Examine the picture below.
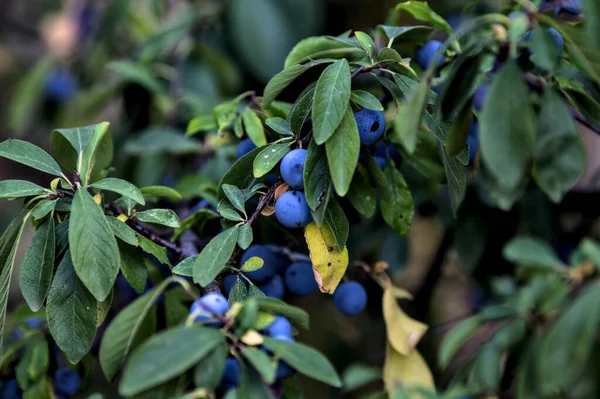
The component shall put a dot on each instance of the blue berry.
(427, 53)
(371, 125)
(270, 179)
(350, 298)
(292, 168)
(230, 280)
(244, 147)
(60, 85)
(381, 162)
(383, 150)
(473, 141)
(270, 263)
(213, 302)
(67, 381)
(273, 288)
(480, 96)
(231, 374)
(292, 210)
(10, 390)
(300, 279)
(279, 327)
(34, 322)
(283, 369)
(560, 42)
(571, 7)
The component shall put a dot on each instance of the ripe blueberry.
(67, 381)
(280, 327)
(300, 279)
(350, 298)
(270, 263)
(273, 288)
(480, 96)
(10, 390)
(244, 147)
(381, 162)
(560, 42)
(571, 7)
(427, 53)
(60, 85)
(213, 302)
(383, 150)
(231, 374)
(473, 141)
(371, 125)
(292, 210)
(292, 168)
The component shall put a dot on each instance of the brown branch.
(364, 69)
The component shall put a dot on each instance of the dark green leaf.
(302, 108)
(30, 155)
(460, 83)
(240, 173)
(320, 47)
(141, 74)
(102, 308)
(39, 359)
(591, 10)
(585, 104)
(342, 149)
(122, 187)
(245, 236)
(455, 143)
(457, 337)
(456, 174)
(366, 100)
(150, 247)
(43, 208)
(163, 357)
(71, 312)
(160, 192)
(293, 314)
(389, 56)
(197, 221)
(261, 363)
(392, 32)
(269, 157)
(280, 126)
(487, 367)
(133, 267)
(93, 246)
(252, 386)
(545, 52)
(161, 140)
(164, 217)
(185, 267)
(11, 189)
(408, 119)
(239, 291)
(122, 231)
(304, 359)
(361, 195)
(397, 207)
(215, 256)
(226, 210)
(533, 252)
(280, 81)
(316, 176)
(207, 373)
(235, 196)
(330, 102)
(37, 266)
(338, 223)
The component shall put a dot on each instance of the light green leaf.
(37, 266)
(122, 187)
(408, 119)
(252, 264)
(457, 337)
(152, 192)
(545, 52)
(254, 127)
(266, 160)
(292, 313)
(235, 196)
(226, 210)
(71, 312)
(154, 249)
(343, 149)
(215, 256)
(163, 357)
(164, 217)
(185, 267)
(320, 47)
(366, 100)
(225, 114)
(93, 246)
(532, 252)
(366, 42)
(421, 11)
(330, 102)
(28, 154)
(201, 123)
(11, 189)
(97, 154)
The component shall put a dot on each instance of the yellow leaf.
(98, 199)
(329, 264)
(252, 338)
(123, 218)
(401, 372)
(403, 332)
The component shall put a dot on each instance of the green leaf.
(133, 267)
(226, 210)
(408, 119)
(239, 291)
(421, 11)
(163, 357)
(330, 102)
(240, 173)
(9, 241)
(252, 264)
(507, 147)
(201, 123)
(559, 159)
(459, 134)
(122, 231)
(43, 208)
(280, 126)
(185, 267)
(261, 363)
(338, 223)
(161, 192)
(71, 312)
(293, 314)
(130, 327)
(456, 174)
(283, 79)
(319, 47)
(389, 56)
(545, 52)
(245, 236)
(214, 256)
(150, 247)
(254, 127)
(304, 359)
(37, 266)
(164, 217)
(268, 158)
(457, 337)
(342, 150)
(78, 137)
(487, 367)
(102, 309)
(161, 140)
(460, 83)
(361, 195)
(366, 42)
(302, 108)
(235, 196)
(392, 32)
(225, 114)
(30, 155)
(366, 100)
(198, 220)
(568, 344)
(39, 360)
(316, 175)
(591, 10)
(533, 252)
(130, 71)
(208, 373)
(93, 246)
(397, 206)
(11, 189)
(98, 153)
(122, 187)
(358, 375)
(252, 386)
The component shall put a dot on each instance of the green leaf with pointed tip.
(185, 267)
(456, 174)
(214, 256)
(320, 47)
(245, 236)
(201, 123)
(235, 196)
(43, 208)
(545, 52)
(283, 79)
(330, 102)
(302, 108)
(338, 223)
(342, 150)
(252, 385)
(139, 73)
(266, 160)
(366, 100)
(160, 192)
(305, 360)
(366, 42)
(208, 373)
(397, 207)
(97, 154)
(261, 363)
(164, 217)
(93, 246)
(133, 267)
(122, 231)
(392, 32)
(150, 247)
(71, 312)
(37, 266)
(239, 291)
(163, 357)
(421, 11)
(240, 173)
(280, 126)
(254, 127)
(11, 189)
(457, 337)
(316, 175)
(532, 252)
(28, 154)
(408, 119)
(122, 187)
